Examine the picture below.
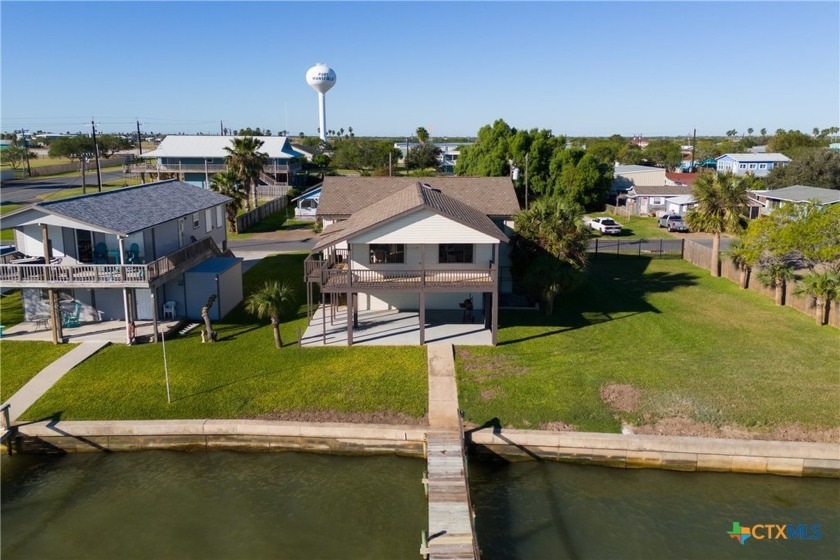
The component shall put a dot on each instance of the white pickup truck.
(605, 225)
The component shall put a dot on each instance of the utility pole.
(693, 147)
(84, 171)
(96, 153)
(26, 152)
(526, 180)
(139, 140)
(222, 128)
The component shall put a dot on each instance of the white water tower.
(321, 78)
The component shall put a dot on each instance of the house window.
(743, 166)
(656, 201)
(762, 166)
(387, 254)
(455, 253)
(195, 220)
(208, 220)
(752, 166)
(220, 216)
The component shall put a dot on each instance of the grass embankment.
(242, 375)
(8, 235)
(652, 341)
(21, 361)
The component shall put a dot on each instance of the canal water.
(158, 504)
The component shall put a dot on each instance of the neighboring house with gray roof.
(414, 244)
(796, 194)
(644, 200)
(122, 254)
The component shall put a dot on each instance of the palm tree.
(776, 274)
(245, 158)
(272, 300)
(227, 183)
(825, 288)
(549, 249)
(720, 201)
(740, 255)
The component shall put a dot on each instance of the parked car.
(673, 223)
(605, 225)
(662, 221)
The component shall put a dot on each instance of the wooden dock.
(451, 530)
(451, 527)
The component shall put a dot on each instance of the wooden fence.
(259, 213)
(701, 256)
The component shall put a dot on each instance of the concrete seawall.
(662, 452)
(614, 450)
(213, 435)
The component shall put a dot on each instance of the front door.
(143, 304)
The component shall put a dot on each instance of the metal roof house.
(645, 200)
(755, 164)
(196, 158)
(306, 205)
(409, 244)
(119, 255)
(796, 194)
(627, 176)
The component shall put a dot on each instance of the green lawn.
(20, 361)
(688, 345)
(11, 308)
(8, 234)
(243, 375)
(635, 227)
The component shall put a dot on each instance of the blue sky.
(597, 68)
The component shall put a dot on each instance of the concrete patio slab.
(103, 331)
(396, 328)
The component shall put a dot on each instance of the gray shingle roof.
(406, 201)
(125, 211)
(343, 196)
(802, 193)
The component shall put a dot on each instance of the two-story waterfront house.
(139, 253)
(758, 165)
(195, 159)
(403, 243)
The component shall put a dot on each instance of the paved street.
(27, 191)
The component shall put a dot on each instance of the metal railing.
(200, 167)
(107, 274)
(409, 278)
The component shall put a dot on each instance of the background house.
(627, 176)
(646, 200)
(306, 205)
(796, 194)
(756, 164)
(122, 254)
(196, 158)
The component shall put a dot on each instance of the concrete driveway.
(260, 245)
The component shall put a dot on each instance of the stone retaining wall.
(614, 450)
(662, 452)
